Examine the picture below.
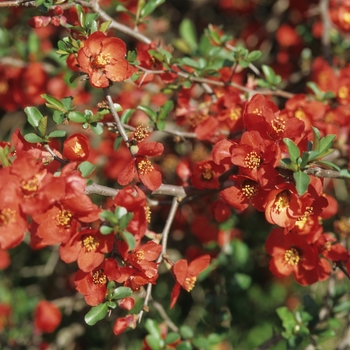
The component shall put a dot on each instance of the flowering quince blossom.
(142, 167)
(47, 317)
(186, 275)
(291, 254)
(87, 247)
(103, 59)
(76, 147)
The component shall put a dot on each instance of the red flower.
(76, 147)
(292, 255)
(87, 247)
(123, 323)
(256, 157)
(149, 176)
(103, 59)
(186, 275)
(206, 174)
(47, 317)
(93, 285)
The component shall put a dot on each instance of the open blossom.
(103, 59)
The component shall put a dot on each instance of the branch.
(165, 234)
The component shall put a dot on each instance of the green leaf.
(33, 43)
(96, 314)
(125, 117)
(326, 143)
(76, 117)
(121, 293)
(42, 126)
(106, 230)
(117, 142)
(328, 165)
(171, 338)
(153, 328)
(302, 181)
(244, 281)
(33, 116)
(97, 128)
(344, 173)
(161, 125)
(188, 33)
(165, 110)
(304, 160)
(53, 102)
(33, 138)
(124, 220)
(186, 332)
(58, 117)
(81, 14)
(254, 55)
(184, 346)
(58, 133)
(293, 150)
(288, 321)
(316, 139)
(150, 112)
(201, 343)
(153, 342)
(120, 212)
(240, 252)
(149, 7)
(104, 26)
(86, 168)
(268, 73)
(129, 239)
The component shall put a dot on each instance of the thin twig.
(120, 126)
(165, 234)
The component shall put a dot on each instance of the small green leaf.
(124, 118)
(42, 126)
(150, 112)
(152, 328)
(117, 143)
(120, 212)
(201, 343)
(344, 173)
(124, 220)
(104, 26)
(111, 304)
(165, 110)
(187, 31)
(268, 73)
(53, 102)
(76, 117)
(254, 55)
(34, 116)
(184, 346)
(171, 338)
(326, 143)
(121, 293)
(288, 320)
(149, 7)
(96, 314)
(302, 181)
(58, 117)
(58, 133)
(316, 139)
(86, 168)
(129, 239)
(244, 281)
(186, 332)
(328, 165)
(33, 138)
(97, 128)
(153, 342)
(293, 150)
(106, 230)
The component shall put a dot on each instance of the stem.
(120, 126)
(165, 234)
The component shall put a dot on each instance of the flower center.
(98, 277)
(291, 256)
(63, 218)
(343, 92)
(145, 166)
(300, 114)
(140, 255)
(278, 125)
(7, 216)
(249, 189)
(235, 113)
(346, 17)
(252, 160)
(77, 149)
(90, 243)
(189, 283)
(30, 186)
(281, 201)
(141, 132)
(148, 213)
(207, 173)
(101, 60)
